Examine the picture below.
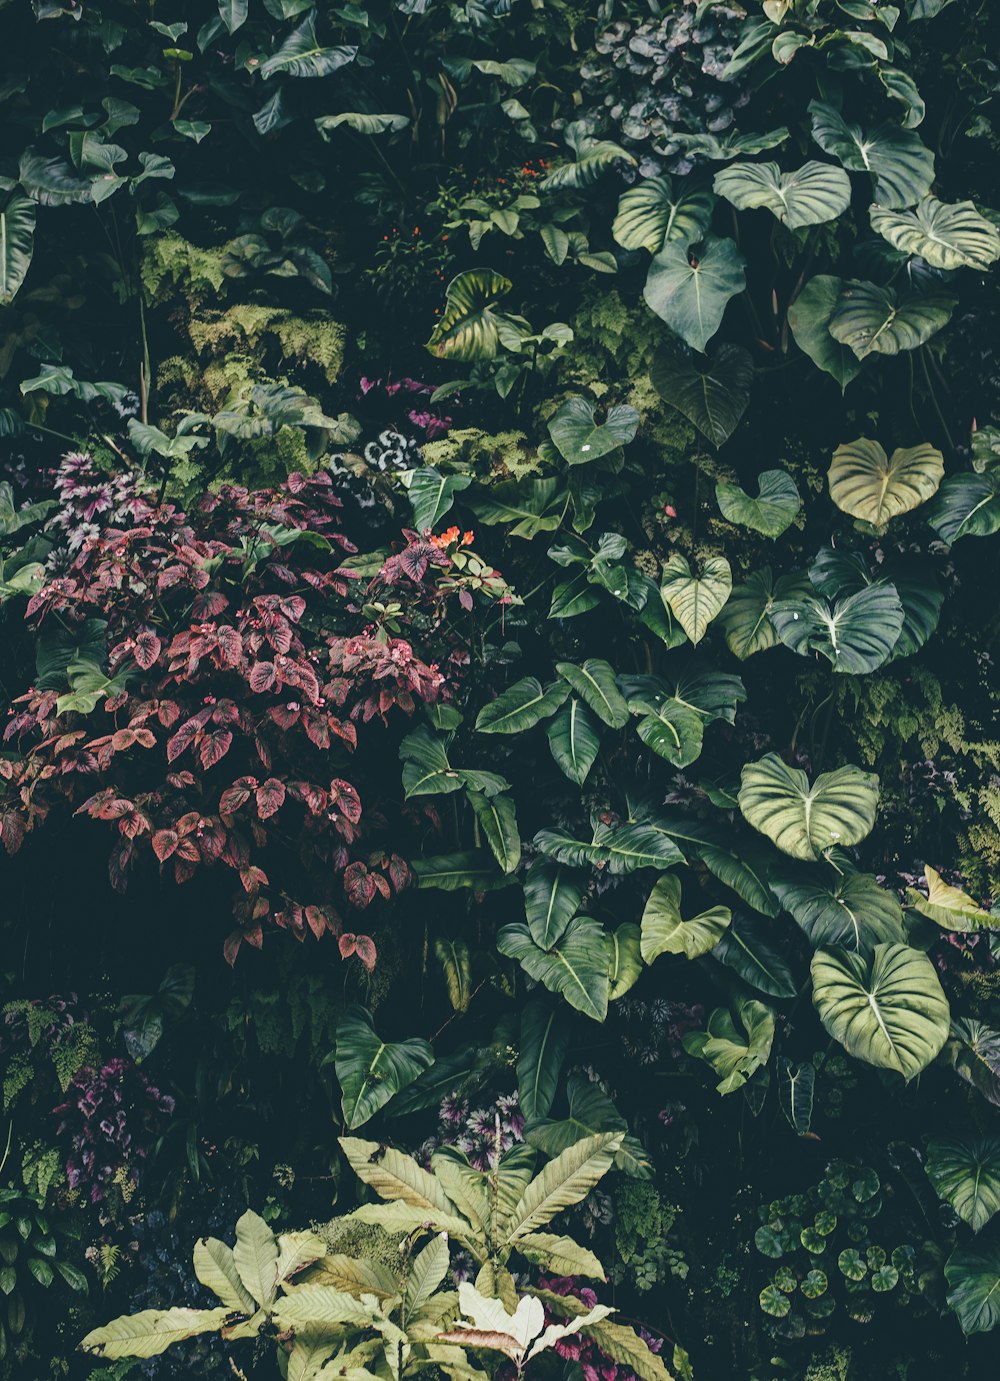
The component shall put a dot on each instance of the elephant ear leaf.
(713, 398)
(852, 911)
(973, 1276)
(649, 216)
(690, 292)
(17, 236)
(695, 600)
(900, 163)
(771, 513)
(805, 820)
(871, 320)
(856, 634)
(966, 506)
(664, 932)
(371, 1071)
(946, 237)
(469, 326)
(814, 193)
(966, 1174)
(809, 316)
(890, 1012)
(579, 438)
(868, 484)
(949, 907)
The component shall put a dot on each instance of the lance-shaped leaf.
(625, 967)
(746, 949)
(521, 707)
(370, 1071)
(805, 820)
(695, 600)
(579, 438)
(151, 1332)
(856, 634)
(452, 872)
(944, 236)
(809, 317)
(973, 1276)
(713, 398)
(215, 1266)
(814, 193)
(850, 910)
(595, 683)
(900, 164)
(543, 1047)
(394, 1176)
(561, 1255)
(690, 292)
(664, 932)
(734, 1054)
(949, 907)
(17, 237)
(564, 1182)
(651, 215)
(890, 1012)
(498, 822)
(796, 1086)
(256, 1257)
(771, 513)
(575, 740)
(966, 506)
(302, 55)
(746, 621)
(469, 326)
(552, 896)
(577, 967)
(868, 484)
(966, 1174)
(871, 320)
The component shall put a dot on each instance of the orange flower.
(467, 539)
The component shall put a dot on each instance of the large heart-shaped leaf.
(944, 236)
(814, 193)
(949, 907)
(690, 293)
(552, 896)
(974, 1052)
(575, 740)
(596, 684)
(771, 513)
(369, 1070)
(868, 484)
(890, 1012)
(468, 328)
(746, 621)
(856, 634)
(432, 494)
(664, 932)
(650, 215)
(672, 730)
(966, 506)
(521, 707)
(901, 165)
(713, 398)
(973, 1277)
(693, 600)
(17, 236)
(871, 320)
(579, 438)
(966, 1174)
(301, 54)
(850, 910)
(837, 810)
(809, 317)
(734, 1055)
(577, 967)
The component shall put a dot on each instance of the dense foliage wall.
(498, 555)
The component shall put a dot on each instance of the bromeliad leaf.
(690, 292)
(809, 317)
(815, 193)
(900, 164)
(369, 1070)
(714, 398)
(946, 237)
(650, 216)
(966, 1174)
(695, 600)
(576, 967)
(664, 932)
(805, 821)
(771, 513)
(575, 740)
(468, 328)
(521, 707)
(579, 438)
(869, 485)
(870, 320)
(856, 634)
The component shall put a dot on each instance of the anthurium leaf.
(552, 897)
(814, 193)
(542, 1050)
(900, 164)
(850, 910)
(301, 54)
(856, 634)
(966, 506)
(809, 317)
(17, 237)
(151, 1331)
(595, 683)
(498, 822)
(973, 1276)
(966, 1173)
(944, 236)
(664, 932)
(576, 967)
(735, 1052)
(868, 484)
(949, 907)
(695, 600)
(796, 1087)
(575, 740)
(369, 1070)
(890, 1011)
(872, 320)
(771, 513)
(521, 707)
(745, 949)
(432, 494)
(468, 328)
(579, 438)
(690, 292)
(745, 620)
(651, 215)
(805, 820)
(714, 398)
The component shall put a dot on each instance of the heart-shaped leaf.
(973, 1278)
(301, 55)
(577, 967)
(713, 398)
(851, 910)
(856, 634)
(579, 439)
(369, 1070)
(468, 328)
(745, 620)
(432, 494)
(663, 931)
(735, 1055)
(771, 513)
(650, 215)
(690, 293)
(814, 193)
(949, 907)
(944, 236)
(809, 317)
(966, 1174)
(17, 236)
(868, 484)
(575, 740)
(870, 320)
(901, 165)
(890, 1012)
(966, 506)
(672, 731)
(729, 145)
(746, 949)
(836, 811)
(693, 600)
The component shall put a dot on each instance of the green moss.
(348, 1236)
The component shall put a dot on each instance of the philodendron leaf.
(966, 506)
(796, 1085)
(946, 237)
(868, 484)
(890, 1012)
(974, 1054)
(809, 317)
(720, 148)
(595, 683)
(672, 730)
(714, 398)
(650, 216)
(771, 513)
(871, 320)
(949, 907)
(151, 1332)
(544, 1042)
(579, 438)
(432, 494)
(576, 967)
(746, 621)
(17, 236)
(973, 1276)
(746, 950)
(690, 292)
(805, 821)
(521, 707)
(901, 165)
(695, 600)
(369, 1070)
(468, 328)
(498, 822)
(575, 740)
(552, 897)
(734, 1054)
(664, 932)
(966, 1174)
(856, 634)
(301, 55)
(626, 960)
(850, 910)
(814, 193)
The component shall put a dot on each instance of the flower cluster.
(482, 1134)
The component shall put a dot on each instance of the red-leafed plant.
(236, 659)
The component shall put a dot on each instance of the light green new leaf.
(809, 317)
(394, 1176)
(966, 1174)
(856, 634)
(576, 967)
(575, 740)
(949, 907)
(521, 707)
(771, 513)
(579, 438)
(814, 193)
(746, 621)
(734, 1055)
(649, 216)
(664, 932)
(563, 1182)
(870, 320)
(301, 55)
(468, 328)
(836, 811)
(498, 821)
(944, 236)
(256, 1257)
(427, 1271)
(432, 494)
(561, 1255)
(868, 484)
(891, 1012)
(369, 1070)
(17, 238)
(901, 165)
(595, 683)
(974, 1287)
(215, 1266)
(850, 910)
(151, 1332)
(695, 600)
(714, 398)
(626, 961)
(691, 293)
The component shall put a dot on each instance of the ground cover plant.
(499, 785)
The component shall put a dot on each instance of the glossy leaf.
(576, 967)
(856, 634)
(552, 897)
(966, 506)
(541, 1053)
(735, 1052)
(973, 1277)
(773, 510)
(17, 237)
(468, 328)
(809, 317)
(369, 1070)
(664, 932)
(498, 822)
(695, 600)
(575, 740)
(805, 820)
(579, 438)
(746, 950)
(900, 164)
(301, 54)
(949, 907)
(521, 707)
(850, 910)
(965, 1171)
(796, 1090)
(595, 683)
(746, 620)
(691, 293)
(868, 484)
(871, 320)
